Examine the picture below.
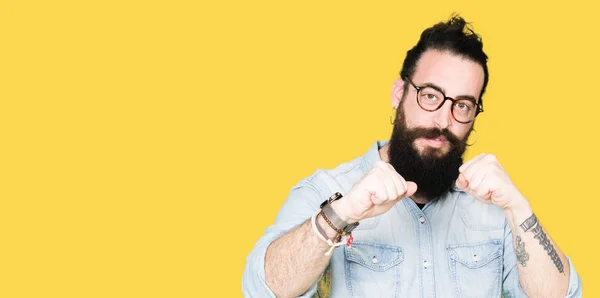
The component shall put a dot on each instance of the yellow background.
(146, 145)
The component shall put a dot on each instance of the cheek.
(414, 116)
(461, 132)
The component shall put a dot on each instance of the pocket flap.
(377, 257)
(475, 255)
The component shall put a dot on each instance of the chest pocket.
(476, 268)
(372, 269)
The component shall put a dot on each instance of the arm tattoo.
(529, 223)
(522, 255)
(532, 224)
(545, 242)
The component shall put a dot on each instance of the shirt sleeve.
(303, 200)
(511, 287)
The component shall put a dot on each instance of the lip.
(436, 143)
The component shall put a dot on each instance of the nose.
(443, 116)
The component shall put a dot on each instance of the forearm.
(543, 268)
(295, 260)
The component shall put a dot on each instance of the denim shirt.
(454, 247)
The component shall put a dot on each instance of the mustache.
(432, 133)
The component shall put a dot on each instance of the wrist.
(331, 210)
(518, 212)
(338, 208)
(329, 232)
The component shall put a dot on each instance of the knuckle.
(391, 167)
(400, 177)
(379, 164)
(383, 193)
(401, 189)
(481, 191)
(491, 157)
(375, 171)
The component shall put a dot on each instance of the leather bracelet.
(316, 228)
(338, 230)
(337, 238)
(334, 217)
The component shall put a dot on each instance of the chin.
(434, 152)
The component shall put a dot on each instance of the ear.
(397, 92)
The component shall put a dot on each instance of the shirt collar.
(372, 155)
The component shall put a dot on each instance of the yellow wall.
(145, 145)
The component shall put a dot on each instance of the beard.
(433, 171)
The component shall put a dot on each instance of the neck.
(383, 154)
(419, 199)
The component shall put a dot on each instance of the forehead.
(455, 74)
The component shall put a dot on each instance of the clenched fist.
(374, 194)
(484, 178)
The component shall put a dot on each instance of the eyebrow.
(438, 88)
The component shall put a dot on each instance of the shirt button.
(422, 219)
(375, 261)
(425, 264)
(476, 258)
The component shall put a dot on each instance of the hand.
(484, 178)
(374, 194)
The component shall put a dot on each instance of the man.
(409, 218)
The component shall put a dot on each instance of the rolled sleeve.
(301, 203)
(574, 282)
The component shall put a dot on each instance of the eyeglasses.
(431, 98)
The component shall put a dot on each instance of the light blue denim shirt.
(454, 247)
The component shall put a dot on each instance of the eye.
(463, 106)
(430, 97)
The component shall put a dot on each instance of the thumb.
(411, 188)
(462, 182)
